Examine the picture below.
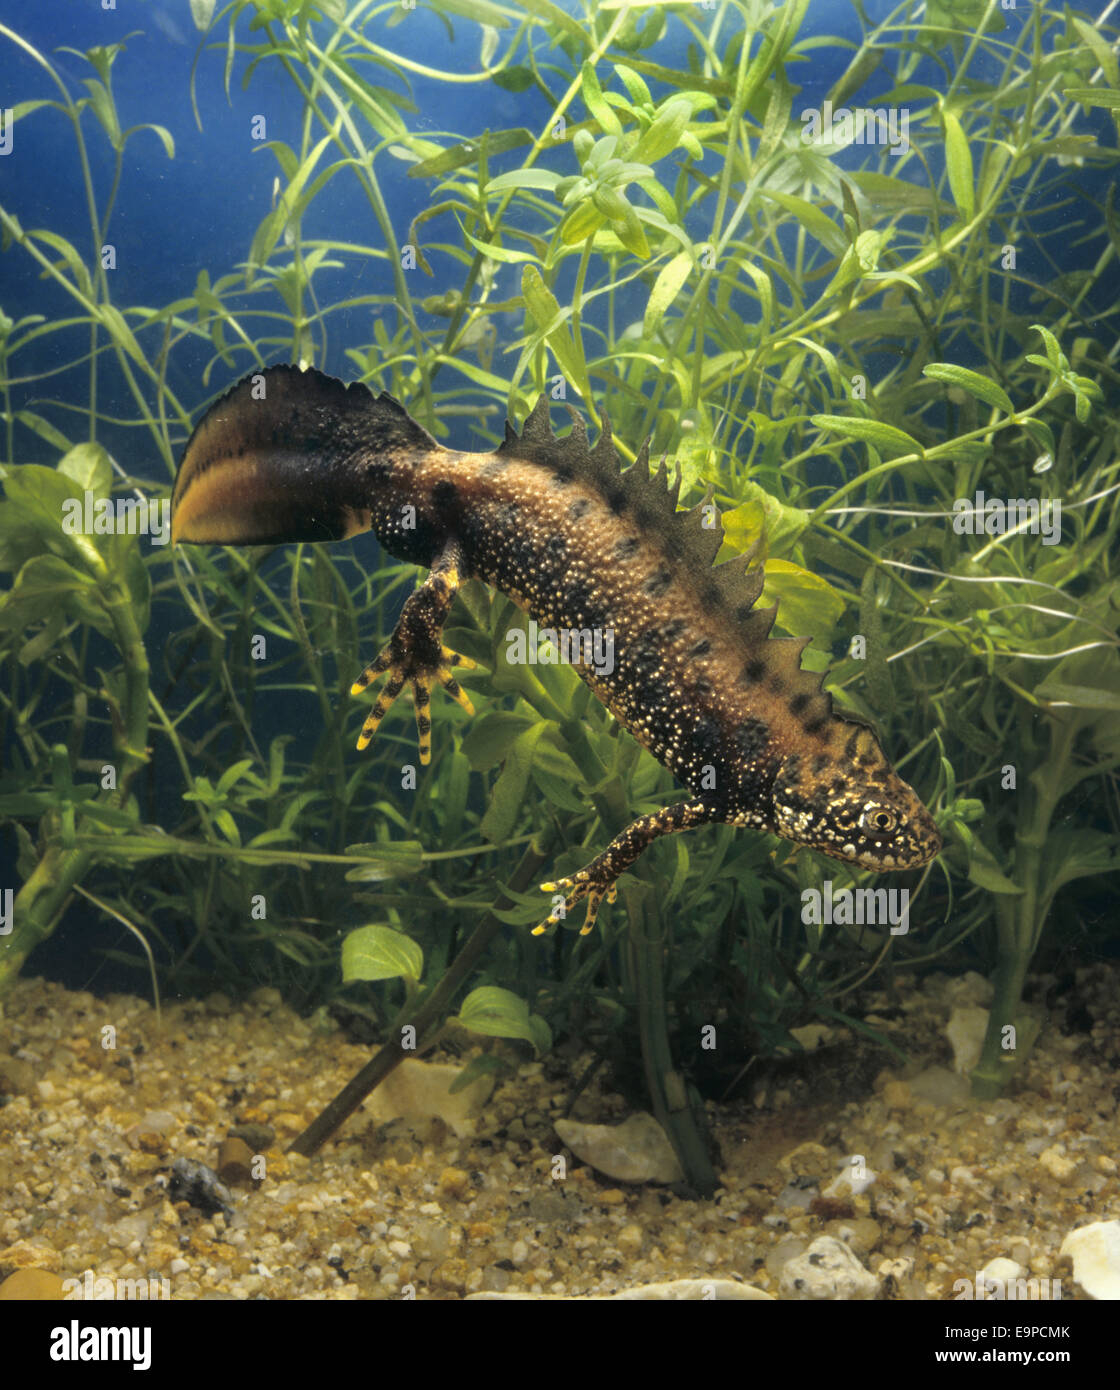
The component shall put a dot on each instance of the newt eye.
(878, 818)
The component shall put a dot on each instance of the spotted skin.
(579, 544)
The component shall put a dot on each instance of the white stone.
(996, 1275)
(965, 1031)
(1095, 1252)
(1057, 1164)
(421, 1091)
(638, 1150)
(969, 988)
(854, 1178)
(827, 1271)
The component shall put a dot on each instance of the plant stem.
(664, 1082)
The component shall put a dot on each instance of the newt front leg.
(415, 653)
(596, 880)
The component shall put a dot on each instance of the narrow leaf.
(976, 385)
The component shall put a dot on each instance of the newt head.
(852, 805)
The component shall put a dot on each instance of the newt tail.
(581, 545)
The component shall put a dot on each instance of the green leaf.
(456, 156)
(111, 817)
(857, 72)
(45, 586)
(1102, 52)
(765, 288)
(1092, 96)
(489, 739)
(984, 871)
(635, 85)
(958, 163)
(24, 805)
(497, 253)
(558, 20)
(384, 859)
(121, 334)
(509, 790)
(516, 79)
(629, 232)
(551, 323)
(268, 233)
(1077, 853)
(88, 466)
(583, 221)
(817, 223)
(38, 499)
(886, 438)
(807, 605)
(524, 178)
(232, 775)
(25, 108)
(73, 261)
(497, 1013)
(1079, 696)
(761, 514)
(595, 102)
(101, 101)
(44, 429)
(380, 953)
(164, 134)
(1055, 357)
(665, 290)
(889, 194)
(664, 132)
(976, 385)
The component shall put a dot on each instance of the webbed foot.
(415, 655)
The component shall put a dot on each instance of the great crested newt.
(581, 544)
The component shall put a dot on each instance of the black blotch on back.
(751, 738)
(658, 583)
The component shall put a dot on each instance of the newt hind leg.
(596, 880)
(415, 653)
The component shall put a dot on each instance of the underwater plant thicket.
(841, 348)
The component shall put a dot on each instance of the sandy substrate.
(392, 1209)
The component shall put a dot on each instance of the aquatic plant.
(843, 353)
